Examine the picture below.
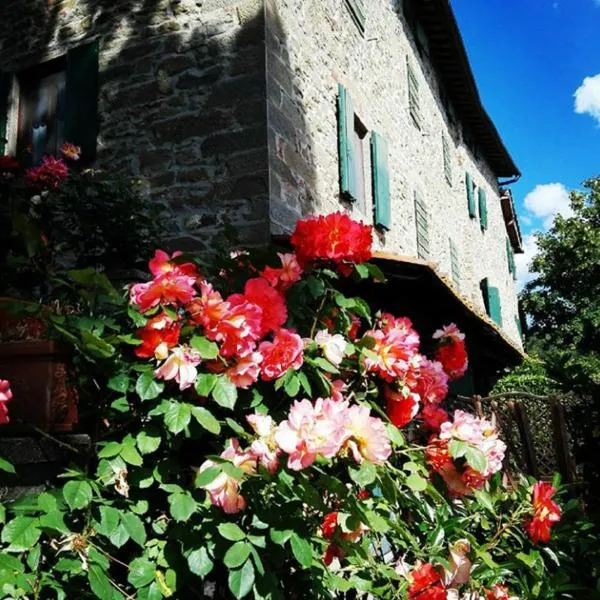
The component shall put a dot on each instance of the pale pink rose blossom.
(367, 436)
(333, 346)
(460, 565)
(452, 332)
(180, 366)
(224, 490)
(265, 447)
(310, 430)
(337, 388)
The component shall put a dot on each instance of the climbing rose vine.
(254, 442)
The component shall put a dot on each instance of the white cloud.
(548, 200)
(587, 95)
(523, 261)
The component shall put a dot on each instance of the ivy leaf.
(206, 419)
(302, 550)
(77, 494)
(182, 506)
(141, 572)
(178, 416)
(200, 562)
(99, 582)
(148, 441)
(21, 533)
(208, 350)
(147, 388)
(225, 393)
(242, 580)
(134, 527)
(231, 532)
(237, 554)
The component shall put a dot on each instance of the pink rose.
(180, 366)
(283, 353)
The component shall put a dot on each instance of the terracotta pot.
(38, 375)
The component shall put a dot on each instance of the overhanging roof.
(448, 54)
(429, 298)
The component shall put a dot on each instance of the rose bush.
(253, 442)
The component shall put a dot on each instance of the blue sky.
(529, 58)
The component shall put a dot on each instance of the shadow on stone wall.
(182, 104)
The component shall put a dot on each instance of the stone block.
(235, 141)
(180, 128)
(176, 63)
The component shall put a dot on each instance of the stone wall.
(314, 45)
(181, 103)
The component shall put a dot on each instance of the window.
(381, 181)
(41, 119)
(357, 12)
(352, 135)
(447, 160)
(422, 226)
(454, 264)
(470, 188)
(56, 102)
(413, 95)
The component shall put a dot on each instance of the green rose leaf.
(205, 382)
(231, 532)
(476, 459)
(200, 562)
(6, 466)
(365, 475)
(280, 537)
(130, 455)
(119, 383)
(206, 419)
(77, 494)
(99, 582)
(134, 527)
(146, 386)
(54, 520)
(225, 392)
(182, 506)
(119, 536)
(21, 533)
(141, 572)
(109, 520)
(237, 554)
(416, 483)
(208, 350)
(178, 416)
(302, 550)
(207, 476)
(148, 441)
(96, 345)
(242, 580)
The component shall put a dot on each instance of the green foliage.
(137, 524)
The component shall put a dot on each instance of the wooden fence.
(534, 428)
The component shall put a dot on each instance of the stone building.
(257, 112)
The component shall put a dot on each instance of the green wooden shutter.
(510, 255)
(5, 85)
(348, 180)
(413, 94)
(483, 219)
(81, 120)
(381, 181)
(454, 264)
(484, 285)
(422, 221)
(519, 326)
(357, 11)
(495, 307)
(470, 196)
(447, 160)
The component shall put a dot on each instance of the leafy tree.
(563, 305)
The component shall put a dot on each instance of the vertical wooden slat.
(526, 440)
(422, 227)
(348, 180)
(470, 195)
(413, 94)
(483, 217)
